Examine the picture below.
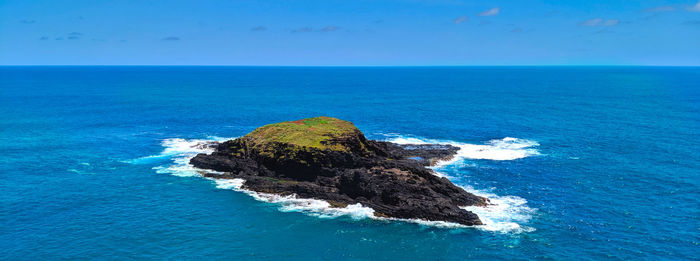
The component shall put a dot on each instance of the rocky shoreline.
(330, 159)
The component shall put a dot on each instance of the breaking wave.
(506, 214)
(320, 208)
(289, 203)
(504, 149)
(177, 148)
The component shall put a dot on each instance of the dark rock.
(343, 167)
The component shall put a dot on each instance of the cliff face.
(330, 159)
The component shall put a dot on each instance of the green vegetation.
(318, 132)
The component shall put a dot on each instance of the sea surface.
(582, 162)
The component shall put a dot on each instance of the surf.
(505, 214)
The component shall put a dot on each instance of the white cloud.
(695, 8)
(461, 19)
(611, 22)
(600, 22)
(491, 12)
(592, 22)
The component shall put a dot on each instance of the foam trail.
(177, 147)
(291, 203)
(505, 214)
(504, 149)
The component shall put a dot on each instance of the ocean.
(582, 162)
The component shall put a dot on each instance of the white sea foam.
(182, 148)
(180, 151)
(292, 203)
(504, 215)
(320, 208)
(504, 149)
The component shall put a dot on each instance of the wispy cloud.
(303, 30)
(307, 29)
(460, 19)
(330, 28)
(592, 22)
(43, 38)
(491, 12)
(258, 28)
(611, 22)
(517, 30)
(665, 8)
(27, 21)
(74, 36)
(170, 39)
(695, 8)
(600, 22)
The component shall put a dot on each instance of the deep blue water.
(616, 173)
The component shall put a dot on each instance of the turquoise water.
(584, 162)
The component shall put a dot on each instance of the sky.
(350, 32)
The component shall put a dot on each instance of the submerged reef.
(330, 159)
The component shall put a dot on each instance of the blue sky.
(349, 32)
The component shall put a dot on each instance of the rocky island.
(330, 159)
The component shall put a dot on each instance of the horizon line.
(234, 65)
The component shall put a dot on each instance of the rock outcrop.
(330, 159)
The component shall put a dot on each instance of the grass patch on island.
(312, 133)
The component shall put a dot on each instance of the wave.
(320, 208)
(180, 149)
(291, 203)
(504, 215)
(504, 149)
